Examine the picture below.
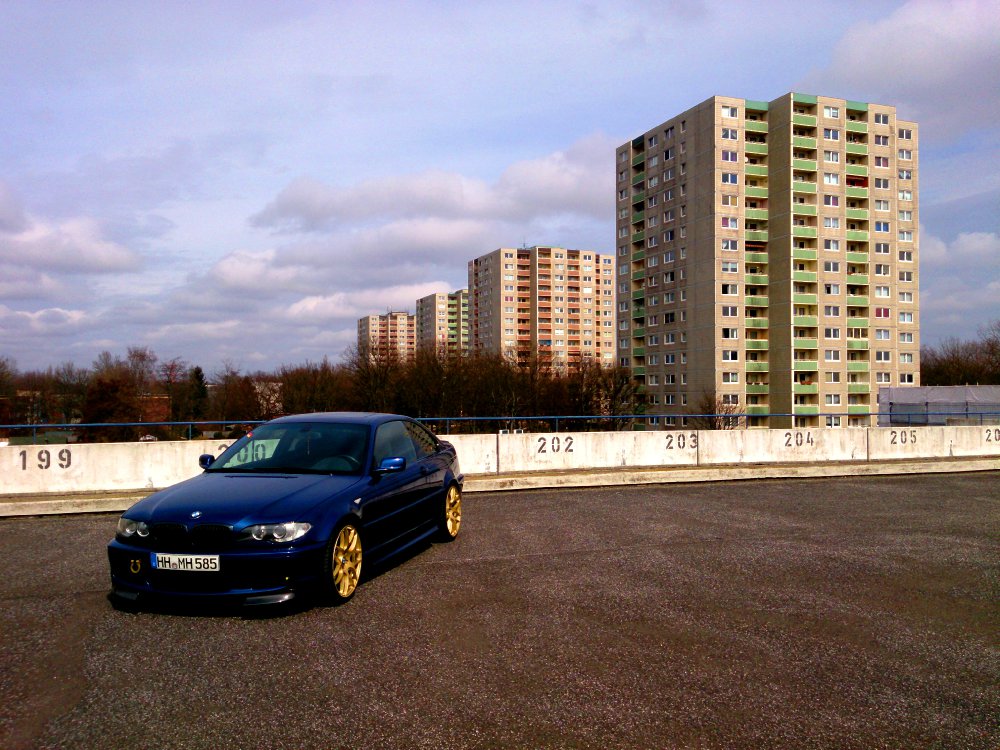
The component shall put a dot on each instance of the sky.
(236, 183)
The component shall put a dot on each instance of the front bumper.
(248, 576)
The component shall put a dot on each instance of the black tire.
(342, 563)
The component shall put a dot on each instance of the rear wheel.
(451, 515)
(343, 563)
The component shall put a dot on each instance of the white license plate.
(193, 563)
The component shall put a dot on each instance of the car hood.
(235, 499)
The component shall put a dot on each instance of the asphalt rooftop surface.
(834, 613)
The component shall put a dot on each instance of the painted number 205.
(64, 459)
(902, 437)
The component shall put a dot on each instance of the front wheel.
(451, 514)
(342, 566)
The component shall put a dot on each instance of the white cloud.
(74, 245)
(975, 252)
(52, 320)
(318, 309)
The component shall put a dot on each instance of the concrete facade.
(392, 334)
(767, 259)
(442, 322)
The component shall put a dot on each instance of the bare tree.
(712, 413)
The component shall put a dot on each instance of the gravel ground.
(838, 613)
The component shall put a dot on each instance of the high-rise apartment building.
(767, 259)
(546, 302)
(394, 333)
(443, 322)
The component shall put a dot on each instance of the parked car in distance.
(299, 505)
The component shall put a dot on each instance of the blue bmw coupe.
(294, 507)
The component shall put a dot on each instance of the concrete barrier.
(37, 470)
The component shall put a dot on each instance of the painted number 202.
(43, 459)
(555, 445)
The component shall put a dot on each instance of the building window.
(906, 256)
(730, 156)
(730, 134)
(882, 162)
(731, 245)
(881, 334)
(881, 183)
(906, 276)
(881, 205)
(831, 178)
(833, 399)
(833, 245)
(883, 377)
(905, 134)
(906, 174)
(882, 291)
(882, 226)
(831, 288)
(881, 312)
(881, 269)
(730, 222)
(905, 337)
(831, 311)
(831, 156)
(729, 311)
(831, 333)
(831, 200)
(831, 266)
(730, 355)
(833, 421)
(729, 266)
(728, 111)
(881, 140)
(906, 195)
(730, 289)
(831, 355)
(881, 118)
(906, 378)
(831, 112)
(905, 154)
(881, 248)
(729, 178)
(905, 235)
(883, 356)
(831, 222)
(831, 134)
(730, 377)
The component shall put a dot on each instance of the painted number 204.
(43, 459)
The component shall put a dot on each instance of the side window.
(393, 441)
(423, 440)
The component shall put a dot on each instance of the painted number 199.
(43, 459)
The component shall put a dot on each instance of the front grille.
(202, 537)
(211, 536)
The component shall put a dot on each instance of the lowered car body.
(299, 505)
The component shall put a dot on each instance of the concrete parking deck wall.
(124, 467)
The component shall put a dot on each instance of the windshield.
(298, 448)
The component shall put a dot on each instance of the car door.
(433, 466)
(389, 511)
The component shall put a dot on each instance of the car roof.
(341, 417)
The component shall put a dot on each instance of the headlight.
(275, 532)
(128, 528)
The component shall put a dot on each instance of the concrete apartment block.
(394, 333)
(767, 260)
(442, 321)
(549, 303)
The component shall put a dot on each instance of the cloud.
(575, 181)
(938, 61)
(317, 309)
(45, 322)
(12, 218)
(73, 245)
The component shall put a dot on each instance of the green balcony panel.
(755, 148)
(858, 149)
(638, 333)
(857, 343)
(756, 192)
(757, 322)
(639, 255)
(641, 294)
(638, 351)
(806, 165)
(858, 408)
(859, 387)
(803, 389)
(806, 121)
(806, 343)
(758, 388)
(854, 300)
(804, 276)
(805, 365)
(802, 141)
(755, 105)
(756, 170)
(857, 213)
(857, 322)
(756, 301)
(638, 313)
(804, 98)
(639, 197)
(856, 170)
(856, 126)
(854, 235)
(756, 213)
(803, 410)
(755, 236)
(638, 236)
(805, 321)
(639, 179)
(801, 186)
(638, 370)
(855, 278)
(802, 253)
(857, 106)
(756, 279)
(637, 160)
(857, 257)
(757, 410)
(638, 216)
(856, 192)
(756, 257)
(858, 366)
(756, 126)
(804, 232)
(803, 209)
(757, 366)
(638, 142)
(636, 275)
(804, 299)
(757, 344)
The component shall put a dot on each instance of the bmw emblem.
(196, 514)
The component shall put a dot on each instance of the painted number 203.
(43, 459)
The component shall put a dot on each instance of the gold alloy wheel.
(453, 510)
(347, 561)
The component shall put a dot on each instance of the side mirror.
(205, 460)
(391, 465)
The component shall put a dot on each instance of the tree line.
(139, 387)
(959, 362)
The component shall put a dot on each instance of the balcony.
(637, 275)
(756, 148)
(857, 213)
(802, 141)
(756, 301)
(755, 170)
(804, 299)
(805, 365)
(802, 209)
(854, 235)
(806, 121)
(755, 236)
(756, 322)
(639, 255)
(857, 257)
(857, 344)
(637, 160)
(804, 276)
(801, 253)
(638, 216)
(757, 344)
(755, 126)
(639, 333)
(857, 322)
(806, 343)
(755, 192)
(856, 278)
(758, 410)
(858, 366)
(641, 294)
(856, 126)
(803, 410)
(757, 279)
(757, 366)
(859, 387)
(854, 300)
(856, 192)
(858, 408)
(639, 197)
(638, 370)
(756, 213)
(639, 178)
(638, 351)
(758, 388)
(805, 321)
(804, 232)
(804, 389)
(806, 165)
(856, 170)
(638, 237)
(756, 257)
